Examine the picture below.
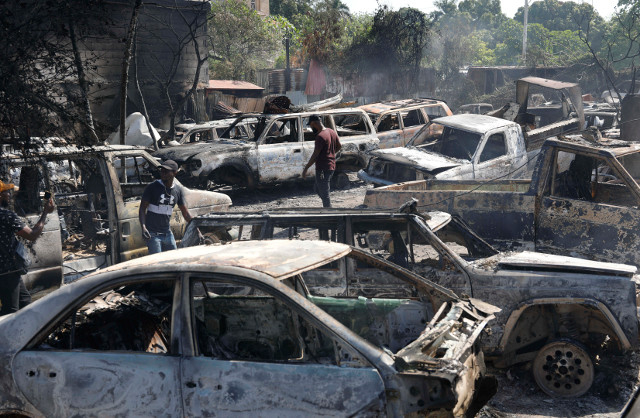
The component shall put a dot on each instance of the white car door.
(280, 151)
(256, 356)
(111, 358)
(493, 160)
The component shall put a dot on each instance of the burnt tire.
(563, 368)
(340, 181)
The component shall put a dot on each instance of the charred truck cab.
(97, 192)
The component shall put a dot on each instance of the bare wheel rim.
(563, 368)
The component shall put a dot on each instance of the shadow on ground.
(518, 395)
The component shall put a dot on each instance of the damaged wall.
(160, 26)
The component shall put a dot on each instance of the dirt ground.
(518, 396)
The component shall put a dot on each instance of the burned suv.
(259, 149)
(397, 121)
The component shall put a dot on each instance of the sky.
(509, 7)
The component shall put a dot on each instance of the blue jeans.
(161, 241)
(323, 177)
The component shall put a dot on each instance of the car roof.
(380, 107)
(614, 147)
(61, 148)
(277, 258)
(473, 123)
(323, 112)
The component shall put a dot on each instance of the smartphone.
(47, 195)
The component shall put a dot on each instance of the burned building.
(169, 44)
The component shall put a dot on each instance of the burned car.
(397, 121)
(463, 146)
(556, 312)
(206, 131)
(582, 200)
(501, 144)
(234, 329)
(97, 192)
(259, 149)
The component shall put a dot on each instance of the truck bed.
(502, 211)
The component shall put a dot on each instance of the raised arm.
(33, 233)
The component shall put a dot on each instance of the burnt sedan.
(556, 311)
(234, 330)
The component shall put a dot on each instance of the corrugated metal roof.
(232, 85)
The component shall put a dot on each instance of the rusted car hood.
(533, 260)
(415, 157)
(182, 153)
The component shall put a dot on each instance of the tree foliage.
(616, 50)
(394, 44)
(290, 9)
(322, 29)
(557, 15)
(243, 41)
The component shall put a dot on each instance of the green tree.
(322, 29)
(243, 41)
(559, 15)
(290, 9)
(443, 8)
(394, 45)
(482, 13)
(617, 51)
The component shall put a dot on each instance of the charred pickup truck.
(460, 146)
(549, 304)
(97, 192)
(501, 144)
(233, 330)
(583, 200)
(258, 149)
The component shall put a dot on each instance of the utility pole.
(524, 32)
(287, 71)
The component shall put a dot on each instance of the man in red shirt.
(324, 157)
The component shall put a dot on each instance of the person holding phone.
(13, 293)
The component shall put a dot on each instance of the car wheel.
(340, 181)
(210, 238)
(563, 368)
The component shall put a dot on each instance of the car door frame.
(409, 132)
(281, 161)
(393, 138)
(501, 164)
(561, 220)
(74, 358)
(251, 278)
